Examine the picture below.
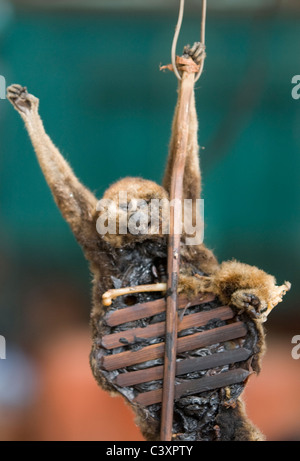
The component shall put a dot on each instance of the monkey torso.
(202, 416)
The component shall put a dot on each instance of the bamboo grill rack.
(232, 330)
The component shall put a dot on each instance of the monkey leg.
(195, 284)
(245, 287)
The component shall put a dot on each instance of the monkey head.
(133, 210)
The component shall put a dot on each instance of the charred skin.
(202, 416)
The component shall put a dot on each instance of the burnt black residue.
(195, 416)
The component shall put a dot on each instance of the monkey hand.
(22, 101)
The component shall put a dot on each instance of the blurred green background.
(109, 109)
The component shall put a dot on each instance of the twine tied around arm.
(191, 61)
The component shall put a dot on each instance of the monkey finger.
(15, 88)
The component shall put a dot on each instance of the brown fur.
(248, 288)
(238, 427)
(244, 286)
(192, 175)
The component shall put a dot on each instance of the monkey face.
(133, 210)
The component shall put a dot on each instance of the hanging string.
(175, 39)
(202, 39)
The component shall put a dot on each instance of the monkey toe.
(251, 300)
(248, 302)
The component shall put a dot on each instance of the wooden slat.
(158, 329)
(184, 366)
(186, 343)
(140, 311)
(196, 386)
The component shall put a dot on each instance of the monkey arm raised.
(76, 203)
(192, 176)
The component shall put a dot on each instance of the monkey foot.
(247, 301)
(259, 307)
(19, 97)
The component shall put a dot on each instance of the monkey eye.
(135, 204)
